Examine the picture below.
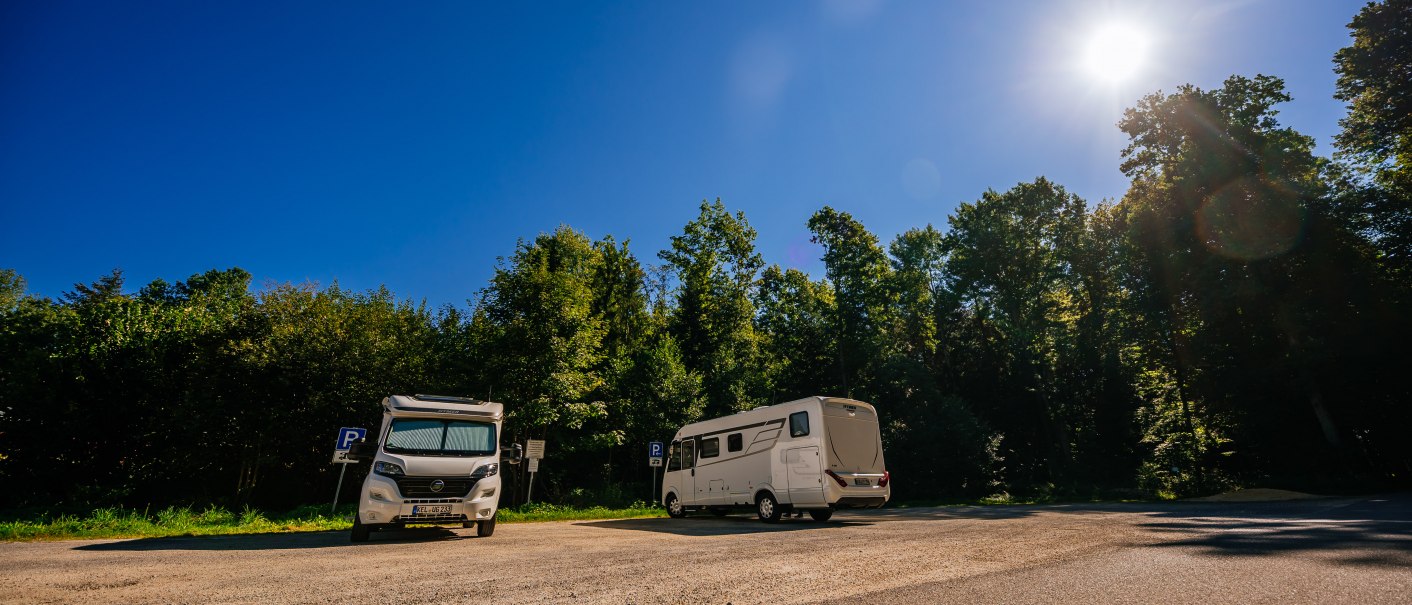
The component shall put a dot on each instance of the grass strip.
(117, 522)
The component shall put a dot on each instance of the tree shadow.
(323, 539)
(720, 526)
(1374, 532)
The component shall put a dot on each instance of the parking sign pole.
(333, 508)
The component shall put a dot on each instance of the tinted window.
(688, 454)
(799, 424)
(710, 448)
(674, 457)
(733, 443)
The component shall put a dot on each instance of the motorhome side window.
(710, 448)
(674, 458)
(733, 443)
(688, 454)
(799, 424)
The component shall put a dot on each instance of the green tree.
(1235, 262)
(859, 272)
(1009, 264)
(715, 266)
(1375, 79)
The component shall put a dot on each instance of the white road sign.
(534, 465)
(534, 450)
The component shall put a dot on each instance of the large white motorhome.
(816, 454)
(436, 460)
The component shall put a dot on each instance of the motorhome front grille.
(429, 519)
(425, 487)
(432, 501)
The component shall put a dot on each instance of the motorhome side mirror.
(513, 454)
(362, 450)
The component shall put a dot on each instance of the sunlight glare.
(1115, 52)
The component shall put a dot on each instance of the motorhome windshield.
(432, 437)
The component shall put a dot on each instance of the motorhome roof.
(443, 404)
(779, 409)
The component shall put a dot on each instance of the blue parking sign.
(655, 450)
(347, 435)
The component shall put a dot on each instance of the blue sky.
(412, 145)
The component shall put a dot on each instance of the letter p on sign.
(346, 437)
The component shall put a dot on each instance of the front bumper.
(381, 503)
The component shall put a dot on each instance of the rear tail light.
(841, 482)
(887, 475)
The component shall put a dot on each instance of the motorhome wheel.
(360, 531)
(674, 508)
(768, 509)
(486, 528)
(821, 514)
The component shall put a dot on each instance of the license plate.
(437, 509)
(860, 481)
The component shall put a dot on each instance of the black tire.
(674, 508)
(486, 528)
(768, 508)
(821, 514)
(720, 511)
(360, 532)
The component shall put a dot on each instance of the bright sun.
(1115, 52)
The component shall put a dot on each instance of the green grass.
(553, 512)
(170, 521)
(216, 521)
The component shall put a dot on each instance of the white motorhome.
(436, 460)
(816, 454)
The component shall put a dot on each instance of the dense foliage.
(1239, 316)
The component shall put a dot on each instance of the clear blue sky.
(412, 145)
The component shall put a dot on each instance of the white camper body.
(436, 460)
(816, 454)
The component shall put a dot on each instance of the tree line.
(1241, 315)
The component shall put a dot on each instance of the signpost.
(346, 437)
(534, 450)
(655, 453)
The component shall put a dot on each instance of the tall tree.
(1008, 262)
(859, 271)
(716, 266)
(1234, 261)
(1375, 79)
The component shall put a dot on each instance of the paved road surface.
(1321, 551)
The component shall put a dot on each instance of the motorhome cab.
(436, 460)
(816, 455)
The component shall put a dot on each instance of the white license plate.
(435, 509)
(859, 481)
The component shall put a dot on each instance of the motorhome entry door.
(806, 483)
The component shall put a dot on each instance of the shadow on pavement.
(1370, 532)
(324, 539)
(720, 526)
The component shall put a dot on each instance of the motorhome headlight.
(388, 469)
(485, 470)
